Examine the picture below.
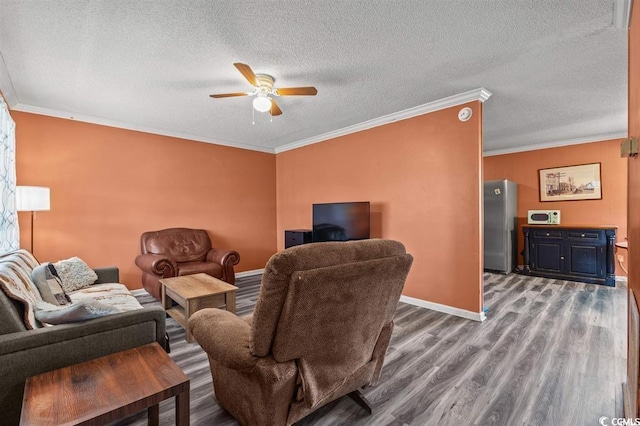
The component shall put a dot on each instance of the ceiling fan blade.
(296, 91)
(229, 95)
(275, 110)
(247, 72)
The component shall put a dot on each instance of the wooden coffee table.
(106, 389)
(195, 292)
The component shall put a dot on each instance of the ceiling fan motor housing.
(265, 83)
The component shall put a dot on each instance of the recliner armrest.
(157, 265)
(224, 337)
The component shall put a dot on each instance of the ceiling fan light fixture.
(264, 91)
(262, 103)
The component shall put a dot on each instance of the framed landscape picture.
(569, 183)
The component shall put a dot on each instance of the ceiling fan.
(263, 88)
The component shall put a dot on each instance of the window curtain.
(9, 230)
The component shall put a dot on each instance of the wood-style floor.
(551, 352)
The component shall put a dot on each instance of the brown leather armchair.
(320, 330)
(182, 251)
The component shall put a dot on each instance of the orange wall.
(522, 168)
(634, 202)
(109, 185)
(634, 163)
(422, 177)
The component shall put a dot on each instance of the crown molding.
(557, 144)
(6, 85)
(622, 14)
(473, 95)
(481, 95)
(128, 126)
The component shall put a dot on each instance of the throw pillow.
(74, 274)
(81, 311)
(48, 285)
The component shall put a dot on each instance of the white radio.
(543, 217)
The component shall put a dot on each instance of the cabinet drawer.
(295, 238)
(546, 233)
(585, 235)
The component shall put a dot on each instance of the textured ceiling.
(557, 68)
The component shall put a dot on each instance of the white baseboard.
(621, 278)
(249, 273)
(476, 316)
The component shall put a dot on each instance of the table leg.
(166, 300)
(189, 308)
(182, 408)
(230, 299)
(153, 415)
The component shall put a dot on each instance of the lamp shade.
(32, 198)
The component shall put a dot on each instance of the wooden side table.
(195, 292)
(106, 389)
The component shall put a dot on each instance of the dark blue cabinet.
(584, 254)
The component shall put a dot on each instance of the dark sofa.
(25, 353)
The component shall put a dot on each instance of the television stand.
(296, 237)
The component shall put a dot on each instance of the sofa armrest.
(226, 258)
(30, 339)
(107, 274)
(157, 264)
(224, 337)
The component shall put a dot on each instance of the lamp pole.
(33, 216)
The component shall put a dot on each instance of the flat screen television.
(341, 221)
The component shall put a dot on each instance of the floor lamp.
(32, 199)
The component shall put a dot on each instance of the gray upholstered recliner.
(320, 330)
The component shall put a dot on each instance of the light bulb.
(262, 103)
